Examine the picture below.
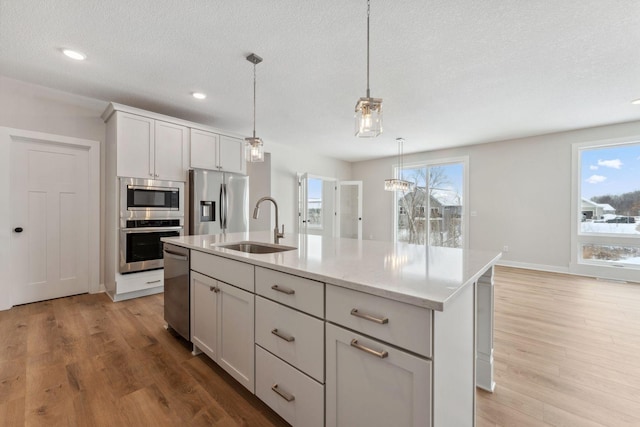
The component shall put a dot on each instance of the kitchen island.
(347, 332)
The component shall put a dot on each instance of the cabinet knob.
(18, 229)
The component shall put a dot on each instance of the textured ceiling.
(451, 73)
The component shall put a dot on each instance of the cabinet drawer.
(140, 281)
(292, 336)
(303, 294)
(404, 325)
(225, 270)
(307, 406)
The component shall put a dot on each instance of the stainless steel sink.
(256, 247)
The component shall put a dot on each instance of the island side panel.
(484, 354)
(453, 361)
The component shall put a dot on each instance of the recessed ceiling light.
(199, 95)
(636, 102)
(73, 54)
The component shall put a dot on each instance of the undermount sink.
(256, 247)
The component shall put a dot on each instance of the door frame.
(8, 136)
(338, 206)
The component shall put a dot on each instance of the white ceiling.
(451, 72)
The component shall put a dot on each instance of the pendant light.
(253, 145)
(398, 184)
(368, 110)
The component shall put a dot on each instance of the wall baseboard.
(539, 267)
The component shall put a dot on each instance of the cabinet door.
(204, 150)
(231, 155)
(204, 314)
(170, 151)
(236, 334)
(366, 389)
(135, 145)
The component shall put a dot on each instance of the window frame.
(464, 160)
(596, 268)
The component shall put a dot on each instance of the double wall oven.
(149, 211)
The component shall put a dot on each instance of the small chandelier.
(398, 184)
(368, 110)
(253, 145)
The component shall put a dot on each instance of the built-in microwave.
(148, 198)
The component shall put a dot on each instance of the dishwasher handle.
(173, 255)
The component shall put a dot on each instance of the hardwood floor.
(85, 361)
(567, 353)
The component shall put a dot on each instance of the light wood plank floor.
(566, 349)
(567, 352)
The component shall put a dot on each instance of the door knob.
(18, 229)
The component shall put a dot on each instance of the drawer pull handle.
(283, 394)
(154, 281)
(383, 321)
(381, 354)
(287, 338)
(283, 290)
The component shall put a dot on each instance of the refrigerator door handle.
(221, 205)
(226, 201)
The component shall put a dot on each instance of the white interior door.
(49, 219)
(350, 209)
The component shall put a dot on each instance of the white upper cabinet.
(150, 149)
(231, 155)
(217, 152)
(172, 142)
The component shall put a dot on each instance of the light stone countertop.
(415, 274)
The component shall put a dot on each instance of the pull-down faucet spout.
(277, 235)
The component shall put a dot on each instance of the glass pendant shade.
(395, 184)
(254, 149)
(398, 184)
(368, 117)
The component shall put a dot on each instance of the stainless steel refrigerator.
(218, 202)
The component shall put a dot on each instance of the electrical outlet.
(505, 248)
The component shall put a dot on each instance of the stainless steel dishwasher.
(176, 289)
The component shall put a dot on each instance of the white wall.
(286, 163)
(36, 108)
(520, 190)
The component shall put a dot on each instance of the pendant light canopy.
(368, 110)
(253, 145)
(398, 184)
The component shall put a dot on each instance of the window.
(437, 190)
(314, 203)
(607, 206)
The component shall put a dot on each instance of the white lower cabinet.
(204, 314)
(293, 395)
(222, 326)
(370, 383)
(236, 334)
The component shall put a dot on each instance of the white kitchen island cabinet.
(222, 325)
(405, 343)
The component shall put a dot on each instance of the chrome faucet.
(277, 235)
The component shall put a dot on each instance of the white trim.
(538, 267)
(93, 147)
(113, 107)
(338, 200)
